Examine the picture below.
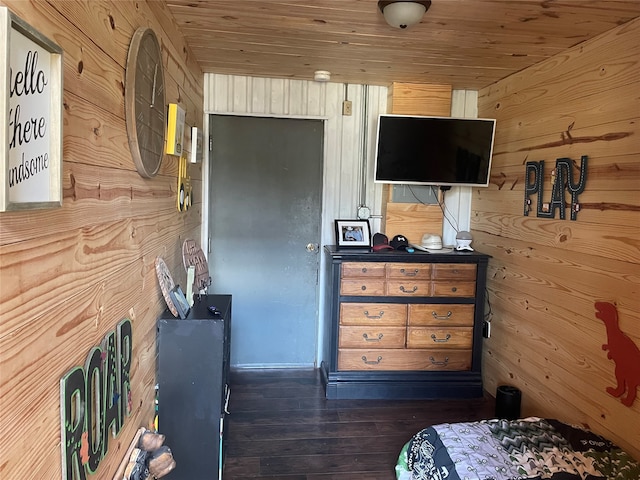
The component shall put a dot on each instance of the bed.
(530, 448)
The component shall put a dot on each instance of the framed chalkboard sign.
(31, 118)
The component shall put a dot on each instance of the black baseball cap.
(399, 242)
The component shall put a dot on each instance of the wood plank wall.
(546, 274)
(69, 275)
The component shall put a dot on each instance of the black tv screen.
(441, 151)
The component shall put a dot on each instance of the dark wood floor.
(282, 427)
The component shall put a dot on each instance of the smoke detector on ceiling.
(322, 76)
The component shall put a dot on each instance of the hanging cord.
(364, 137)
(442, 205)
(445, 211)
(489, 315)
(413, 194)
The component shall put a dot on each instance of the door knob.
(312, 247)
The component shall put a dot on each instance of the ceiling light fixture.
(403, 13)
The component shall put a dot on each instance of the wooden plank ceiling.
(464, 43)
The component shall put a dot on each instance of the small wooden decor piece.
(166, 284)
(625, 354)
(193, 256)
(31, 105)
(125, 461)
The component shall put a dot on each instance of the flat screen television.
(443, 151)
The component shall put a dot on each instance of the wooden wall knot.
(625, 354)
(72, 178)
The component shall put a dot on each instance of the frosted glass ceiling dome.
(403, 13)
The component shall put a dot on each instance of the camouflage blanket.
(531, 448)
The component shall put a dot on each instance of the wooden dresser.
(403, 325)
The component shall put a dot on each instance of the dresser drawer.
(417, 271)
(454, 289)
(364, 286)
(439, 314)
(454, 271)
(373, 314)
(433, 337)
(362, 269)
(372, 337)
(408, 288)
(399, 359)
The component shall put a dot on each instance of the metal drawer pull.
(406, 290)
(409, 273)
(364, 270)
(454, 289)
(441, 317)
(367, 339)
(371, 362)
(366, 314)
(363, 288)
(441, 340)
(442, 364)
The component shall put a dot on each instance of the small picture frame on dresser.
(353, 234)
(180, 301)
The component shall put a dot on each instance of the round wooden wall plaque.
(193, 256)
(166, 284)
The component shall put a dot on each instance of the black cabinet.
(403, 325)
(193, 372)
